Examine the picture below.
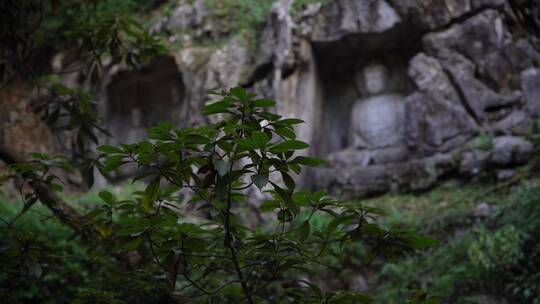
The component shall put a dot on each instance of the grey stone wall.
(465, 71)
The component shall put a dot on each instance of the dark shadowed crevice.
(138, 100)
(462, 97)
(464, 17)
(260, 72)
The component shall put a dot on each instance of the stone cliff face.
(455, 84)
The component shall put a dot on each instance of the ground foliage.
(495, 255)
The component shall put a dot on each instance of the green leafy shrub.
(497, 250)
(235, 16)
(300, 4)
(217, 163)
(523, 212)
(40, 261)
(496, 255)
(484, 142)
(183, 238)
(444, 271)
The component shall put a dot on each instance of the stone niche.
(347, 69)
(403, 105)
(138, 100)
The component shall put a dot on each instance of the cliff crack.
(464, 17)
(462, 97)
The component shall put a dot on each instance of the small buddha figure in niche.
(376, 123)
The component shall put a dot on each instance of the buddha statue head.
(373, 78)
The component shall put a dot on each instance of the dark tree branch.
(62, 210)
(68, 215)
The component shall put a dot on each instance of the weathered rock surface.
(473, 162)
(530, 83)
(431, 15)
(436, 117)
(518, 122)
(460, 68)
(352, 157)
(510, 150)
(485, 40)
(345, 17)
(477, 95)
(414, 175)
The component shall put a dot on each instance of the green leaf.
(309, 161)
(269, 116)
(41, 156)
(218, 107)
(316, 290)
(295, 168)
(261, 103)
(286, 132)
(284, 215)
(162, 131)
(332, 226)
(56, 187)
(259, 139)
(289, 181)
(221, 166)
(143, 175)
(61, 89)
(152, 190)
(196, 139)
(133, 244)
(239, 93)
(420, 242)
(286, 197)
(214, 92)
(259, 180)
(225, 145)
(246, 144)
(269, 206)
(289, 121)
(304, 231)
(106, 196)
(4, 178)
(349, 298)
(109, 149)
(114, 162)
(289, 145)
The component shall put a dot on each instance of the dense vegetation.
(153, 247)
(488, 244)
(478, 254)
(188, 229)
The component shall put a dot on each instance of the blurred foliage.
(93, 36)
(41, 259)
(101, 31)
(301, 4)
(483, 142)
(495, 255)
(496, 250)
(224, 19)
(237, 15)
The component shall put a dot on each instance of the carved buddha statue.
(376, 123)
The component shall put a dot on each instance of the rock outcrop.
(468, 71)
